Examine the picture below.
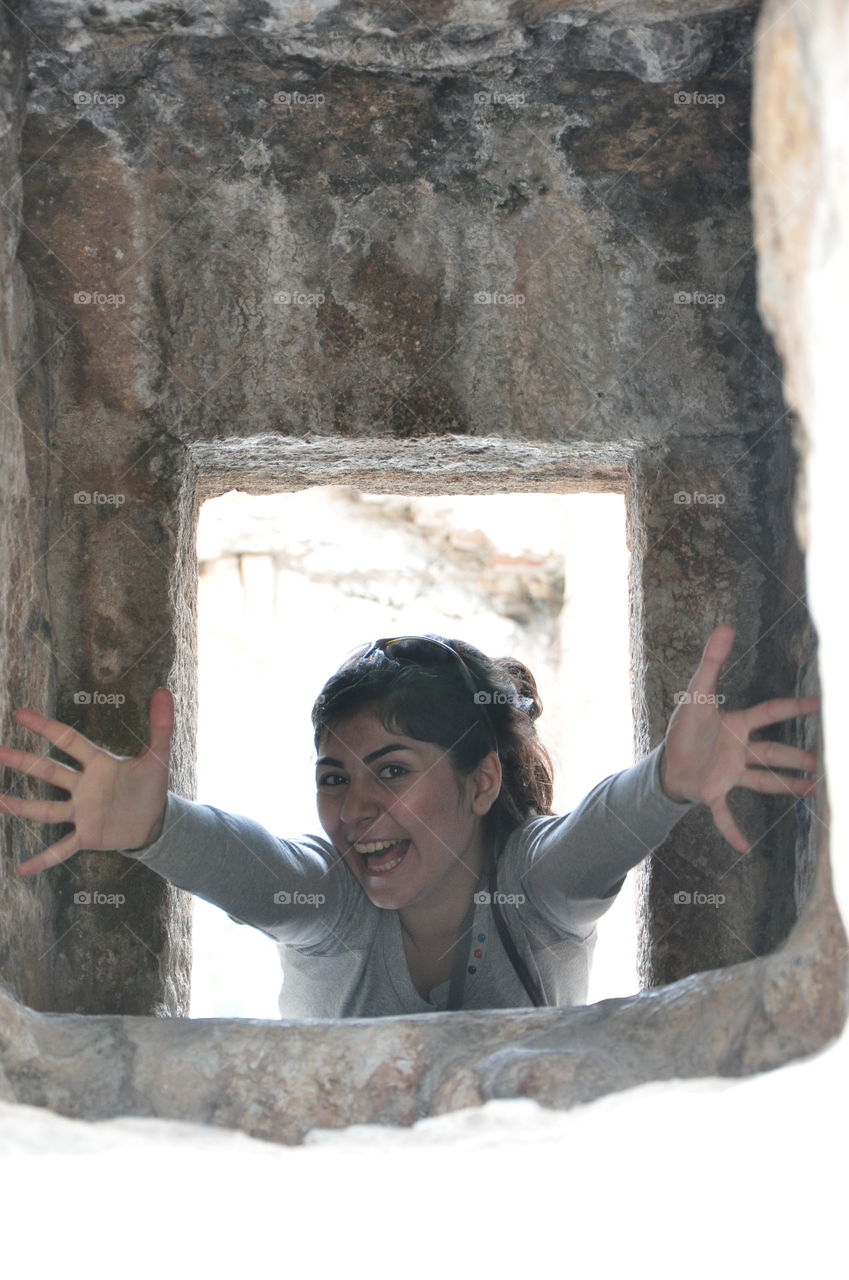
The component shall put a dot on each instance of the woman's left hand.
(707, 751)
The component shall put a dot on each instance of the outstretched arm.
(707, 751)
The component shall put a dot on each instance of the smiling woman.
(432, 784)
(393, 822)
(415, 830)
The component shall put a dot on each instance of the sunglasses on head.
(425, 651)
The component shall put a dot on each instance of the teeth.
(386, 866)
(375, 846)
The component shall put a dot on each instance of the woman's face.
(408, 826)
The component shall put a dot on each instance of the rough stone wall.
(314, 264)
(737, 562)
(27, 922)
(801, 206)
(79, 616)
(235, 286)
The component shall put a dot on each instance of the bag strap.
(507, 942)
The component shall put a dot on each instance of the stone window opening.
(542, 576)
(713, 1006)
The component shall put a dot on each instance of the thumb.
(161, 721)
(715, 652)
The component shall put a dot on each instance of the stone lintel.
(428, 465)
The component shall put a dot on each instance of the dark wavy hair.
(433, 702)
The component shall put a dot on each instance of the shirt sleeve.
(571, 867)
(296, 891)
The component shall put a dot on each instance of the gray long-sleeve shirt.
(343, 956)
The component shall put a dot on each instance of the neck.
(438, 920)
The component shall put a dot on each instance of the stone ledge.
(651, 40)
(277, 1081)
(457, 19)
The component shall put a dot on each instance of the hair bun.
(525, 684)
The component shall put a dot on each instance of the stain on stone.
(338, 328)
(433, 411)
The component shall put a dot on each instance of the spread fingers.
(777, 755)
(40, 810)
(60, 775)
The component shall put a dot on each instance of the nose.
(361, 806)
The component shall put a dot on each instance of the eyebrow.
(373, 755)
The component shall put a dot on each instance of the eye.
(331, 779)
(392, 776)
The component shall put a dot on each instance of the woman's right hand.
(116, 802)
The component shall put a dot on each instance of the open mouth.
(381, 857)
